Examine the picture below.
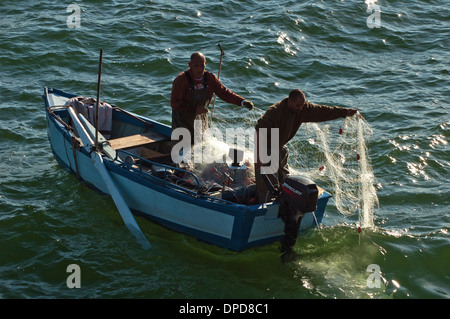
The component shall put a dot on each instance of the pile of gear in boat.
(233, 182)
(297, 195)
(236, 182)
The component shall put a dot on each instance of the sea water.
(396, 75)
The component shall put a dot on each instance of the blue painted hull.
(223, 223)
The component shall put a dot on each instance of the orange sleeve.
(179, 97)
(223, 93)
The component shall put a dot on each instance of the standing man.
(192, 91)
(287, 116)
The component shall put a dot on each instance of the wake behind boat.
(136, 156)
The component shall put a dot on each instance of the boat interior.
(142, 146)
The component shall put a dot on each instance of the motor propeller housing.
(297, 195)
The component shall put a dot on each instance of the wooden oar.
(97, 159)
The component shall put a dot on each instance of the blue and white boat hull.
(227, 224)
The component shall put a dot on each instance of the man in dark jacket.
(287, 116)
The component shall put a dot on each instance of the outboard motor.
(298, 196)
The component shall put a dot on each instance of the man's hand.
(351, 112)
(201, 110)
(248, 104)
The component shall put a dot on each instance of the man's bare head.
(198, 55)
(197, 64)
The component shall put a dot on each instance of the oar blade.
(121, 205)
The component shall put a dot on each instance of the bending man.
(287, 116)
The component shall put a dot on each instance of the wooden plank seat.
(151, 154)
(138, 143)
(136, 140)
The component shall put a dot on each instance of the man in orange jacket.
(192, 92)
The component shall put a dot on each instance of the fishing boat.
(133, 165)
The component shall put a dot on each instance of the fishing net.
(339, 158)
(211, 159)
(334, 154)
